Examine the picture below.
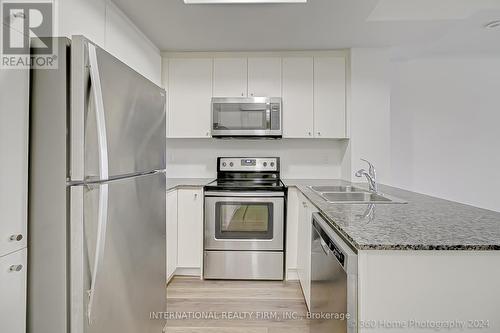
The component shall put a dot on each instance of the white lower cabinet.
(190, 228)
(292, 218)
(13, 269)
(171, 228)
(305, 211)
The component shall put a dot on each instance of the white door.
(13, 292)
(190, 228)
(14, 115)
(190, 84)
(298, 97)
(230, 77)
(264, 77)
(329, 97)
(171, 233)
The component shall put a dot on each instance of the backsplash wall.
(300, 158)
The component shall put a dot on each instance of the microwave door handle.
(245, 107)
(268, 119)
(255, 109)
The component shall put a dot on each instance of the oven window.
(236, 116)
(237, 220)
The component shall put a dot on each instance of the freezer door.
(118, 262)
(114, 109)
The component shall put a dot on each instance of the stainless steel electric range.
(245, 220)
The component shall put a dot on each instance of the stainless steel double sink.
(351, 194)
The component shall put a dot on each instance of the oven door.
(244, 223)
(257, 116)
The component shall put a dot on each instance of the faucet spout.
(370, 176)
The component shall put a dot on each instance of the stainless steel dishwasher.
(333, 281)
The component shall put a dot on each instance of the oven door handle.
(244, 194)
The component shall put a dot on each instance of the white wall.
(369, 111)
(104, 23)
(445, 115)
(300, 158)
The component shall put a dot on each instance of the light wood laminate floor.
(210, 306)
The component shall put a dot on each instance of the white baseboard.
(170, 277)
(292, 275)
(188, 271)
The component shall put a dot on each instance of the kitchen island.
(423, 266)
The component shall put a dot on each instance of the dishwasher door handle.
(324, 246)
(322, 242)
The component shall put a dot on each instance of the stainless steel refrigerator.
(96, 260)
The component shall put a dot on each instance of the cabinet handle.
(304, 204)
(242, 94)
(319, 133)
(16, 238)
(309, 133)
(251, 94)
(208, 133)
(196, 195)
(16, 268)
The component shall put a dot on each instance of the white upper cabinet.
(106, 25)
(264, 77)
(230, 77)
(298, 120)
(329, 97)
(189, 96)
(312, 87)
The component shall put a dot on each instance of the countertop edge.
(385, 247)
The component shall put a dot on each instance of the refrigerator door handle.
(102, 141)
(102, 217)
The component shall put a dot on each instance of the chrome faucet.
(371, 176)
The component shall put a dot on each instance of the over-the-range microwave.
(252, 117)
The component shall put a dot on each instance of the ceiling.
(319, 24)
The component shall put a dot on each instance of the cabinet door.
(190, 84)
(14, 115)
(264, 77)
(304, 250)
(230, 77)
(13, 291)
(123, 40)
(190, 228)
(292, 219)
(329, 97)
(171, 233)
(298, 97)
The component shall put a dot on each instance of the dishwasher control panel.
(331, 247)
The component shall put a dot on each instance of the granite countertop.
(423, 223)
(173, 183)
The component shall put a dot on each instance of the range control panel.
(249, 164)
